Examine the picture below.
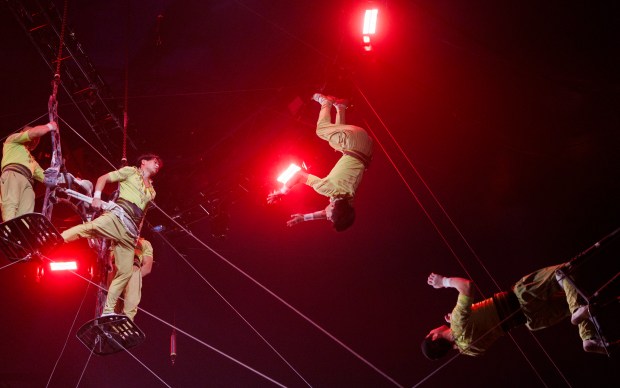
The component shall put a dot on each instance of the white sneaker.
(321, 99)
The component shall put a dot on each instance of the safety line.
(232, 307)
(90, 355)
(316, 325)
(221, 296)
(143, 364)
(14, 262)
(453, 225)
(284, 302)
(19, 129)
(179, 330)
(68, 334)
(294, 37)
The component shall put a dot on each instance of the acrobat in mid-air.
(539, 300)
(344, 178)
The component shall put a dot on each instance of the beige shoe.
(594, 346)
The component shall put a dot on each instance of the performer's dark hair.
(148, 157)
(435, 349)
(343, 214)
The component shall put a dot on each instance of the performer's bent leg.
(325, 115)
(105, 226)
(340, 115)
(587, 330)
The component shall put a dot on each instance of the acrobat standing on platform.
(122, 223)
(20, 170)
(343, 180)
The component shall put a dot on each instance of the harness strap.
(20, 169)
(365, 159)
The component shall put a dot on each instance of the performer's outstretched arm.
(463, 286)
(299, 177)
(297, 218)
(41, 130)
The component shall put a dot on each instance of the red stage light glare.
(370, 21)
(288, 174)
(63, 266)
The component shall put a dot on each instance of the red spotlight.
(63, 266)
(288, 174)
(370, 27)
(370, 21)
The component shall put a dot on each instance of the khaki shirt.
(132, 187)
(14, 151)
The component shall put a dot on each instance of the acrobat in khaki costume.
(134, 196)
(356, 147)
(19, 170)
(538, 300)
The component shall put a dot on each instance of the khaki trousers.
(108, 226)
(17, 195)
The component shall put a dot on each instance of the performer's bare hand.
(96, 204)
(295, 219)
(435, 280)
(274, 197)
(54, 126)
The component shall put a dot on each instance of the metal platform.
(28, 235)
(110, 334)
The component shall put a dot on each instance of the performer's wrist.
(446, 282)
(97, 194)
(309, 217)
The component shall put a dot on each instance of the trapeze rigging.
(32, 236)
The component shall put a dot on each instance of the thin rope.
(20, 128)
(406, 183)
(234, 309)
(90, 355)
(284, 302)
(68, 335)
(422, 207)
(211, 347)
(316, 325)
(126, 96)
(143, 364)
(294, 37)
(87, 142)
(179, 330)
(13, 263)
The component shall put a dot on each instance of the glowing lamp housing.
(288, 173)
(63, 266)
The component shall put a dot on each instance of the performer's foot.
(580, 315)
(321, 99)
(341, 103)
(594, 346)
